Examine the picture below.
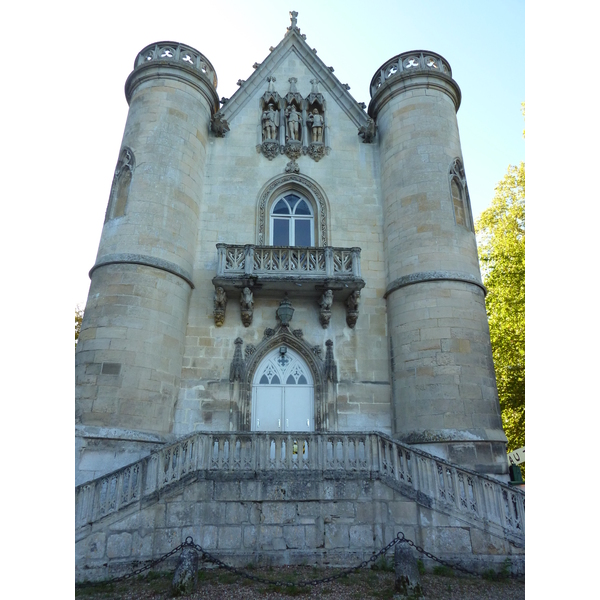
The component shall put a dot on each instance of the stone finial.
(315, 86)
(345, 86)
(241, 82)
(256, 65)
(270, 86)
(293, 81)
(236, 370)
(330, 366)
(294, 19)
(224, 100)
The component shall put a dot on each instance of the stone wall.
(313, 518)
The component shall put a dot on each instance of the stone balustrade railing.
(251, 260)
(477, 497)
(417, 60)
(177, 53)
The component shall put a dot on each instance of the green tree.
(78, 319)
(501, 240)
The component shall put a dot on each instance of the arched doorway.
(282, 393)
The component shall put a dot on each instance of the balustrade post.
(221, 258)
(356, 262)
(248, 259)
(329, 261)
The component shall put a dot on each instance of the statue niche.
(316, 120)
(270, 138)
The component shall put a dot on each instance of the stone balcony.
(324, 273)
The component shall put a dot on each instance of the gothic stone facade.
(226, 217)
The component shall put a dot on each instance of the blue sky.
(483, 41)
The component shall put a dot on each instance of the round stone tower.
(444, 388)
(129, 353)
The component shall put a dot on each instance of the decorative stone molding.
(325, 302)
(249, 350)
(247, 306)
(298, 333)
(352, 308)
(220, 304)
(148, 261)
(425, 276)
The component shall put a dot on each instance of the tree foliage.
(501, 240)
(78, 319)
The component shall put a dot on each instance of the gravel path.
(218, 584)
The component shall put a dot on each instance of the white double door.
(282, 393)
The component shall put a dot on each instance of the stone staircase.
(442, 504)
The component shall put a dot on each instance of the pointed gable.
(294, 46)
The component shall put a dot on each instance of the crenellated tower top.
(415, 65)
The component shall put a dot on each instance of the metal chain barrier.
(208, 557)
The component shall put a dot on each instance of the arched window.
(460, 195)
(292, 221)
(459, 205)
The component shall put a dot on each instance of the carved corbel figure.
(247, 306)
(326, 302)
(220, 303)
(352, 308)
(367, 132)
(219, 125)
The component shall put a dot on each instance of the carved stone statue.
(269, 123)
(293, 117)
(316, 120)
(247, 306)
(220, 302)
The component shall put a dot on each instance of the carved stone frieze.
(220, 303)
